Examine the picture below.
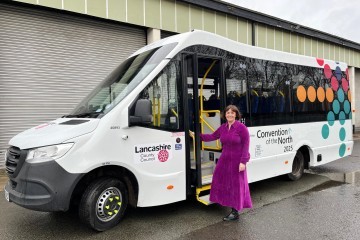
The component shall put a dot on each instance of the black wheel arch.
(121, 173)
(305, 150)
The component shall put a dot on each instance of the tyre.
(103, 203)
(297, 167)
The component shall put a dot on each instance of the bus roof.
(199, 37)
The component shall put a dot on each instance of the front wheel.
(297, 167)
(103, 204)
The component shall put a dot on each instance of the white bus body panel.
(273, 155)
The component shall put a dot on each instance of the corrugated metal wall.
(50, 61)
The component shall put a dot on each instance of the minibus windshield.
(120, 83)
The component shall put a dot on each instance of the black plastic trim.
(74, 122)
(45, 187)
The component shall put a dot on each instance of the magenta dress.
(230, 187)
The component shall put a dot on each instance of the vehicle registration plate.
(7, 195)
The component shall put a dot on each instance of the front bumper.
(43, 186)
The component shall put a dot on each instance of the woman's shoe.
(233, 216)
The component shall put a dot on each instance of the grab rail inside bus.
(202, 120)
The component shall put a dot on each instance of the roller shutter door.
(50, 60)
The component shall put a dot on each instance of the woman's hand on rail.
(191, 133)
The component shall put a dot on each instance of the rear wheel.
(297, 167)
(103, 203)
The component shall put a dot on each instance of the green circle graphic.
(342, 134)
(331, 118)
(341, 95)
(342, 150)
(336, 106)
(347, 107)
(342, 117)
(325, 131)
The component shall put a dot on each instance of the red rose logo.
(163, 155)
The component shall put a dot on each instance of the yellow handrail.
(202, 120)
(218, 147)
(174, 112)
(202, 84)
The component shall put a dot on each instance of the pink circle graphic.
(347, 74)
(345, 84)
(327, 71)
(163, 155)
(320, 61)
(334, 83)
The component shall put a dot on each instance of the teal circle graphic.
(341, 95)
(342, 117)
(342, 134)
(325, 131)
(336, 106)
(350, 116)
(347, 106)
(331, 118)
(342, 150)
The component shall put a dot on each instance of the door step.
(207, 179)
(204, 199)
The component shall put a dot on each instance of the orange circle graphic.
(329, 95)
(349, 96)
(320, 94)
(311, 92)
(301, 93)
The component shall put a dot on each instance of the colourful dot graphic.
(349, 95)
(347, 108)
(325, 131)
(334, 83)
(311, 93)
(342, 134)
(331, 118)
(327, 71)
(336, 106)
(342, 117)
(342, 150)
(341, 95)
(320, 94)
(338, 73)
(345, 84)
(329, 95)
(301, 93)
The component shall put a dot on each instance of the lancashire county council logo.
(163, 155)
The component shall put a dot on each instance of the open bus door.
(203, 78)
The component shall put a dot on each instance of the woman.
(229, 185)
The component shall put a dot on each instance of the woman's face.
(230, 116)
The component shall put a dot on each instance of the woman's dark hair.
(234, 109)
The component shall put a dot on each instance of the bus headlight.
(48, 153)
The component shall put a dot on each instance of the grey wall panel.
(49, 61)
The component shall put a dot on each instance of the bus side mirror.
(142, 113)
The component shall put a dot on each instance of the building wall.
(175, 16)
(49, 62)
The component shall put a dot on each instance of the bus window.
(164, 95)
(236, 87)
